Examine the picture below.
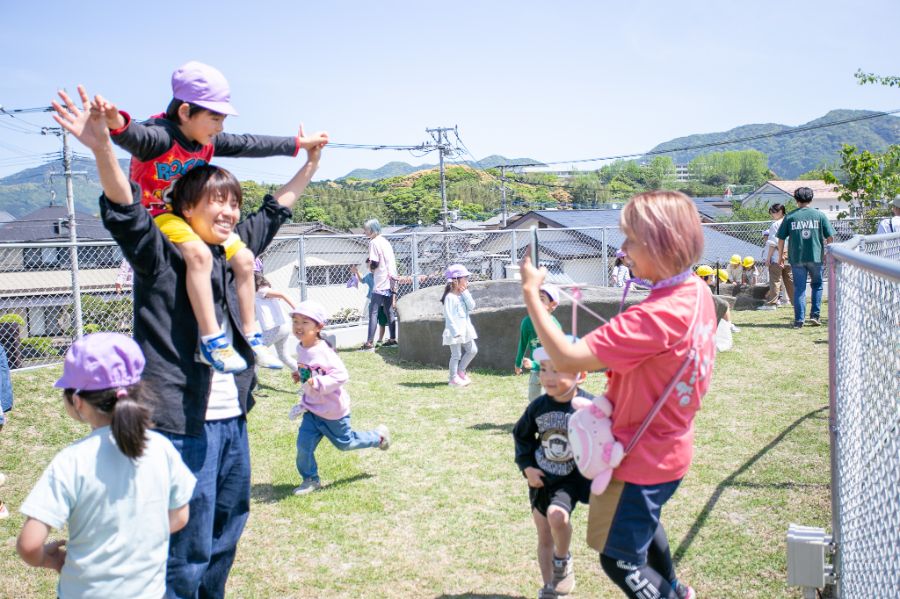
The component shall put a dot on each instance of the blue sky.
(551, 81)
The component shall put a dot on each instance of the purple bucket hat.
(311, 309)
(620, 254)
(204, 86)
(455, 271)
(102, 361)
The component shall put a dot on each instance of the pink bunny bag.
(595, 449)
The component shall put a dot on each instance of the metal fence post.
(414, 252)
(604, 273)
(301, 267)
(514, 250)
(833, 432)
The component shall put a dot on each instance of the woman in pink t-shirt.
(643, 349)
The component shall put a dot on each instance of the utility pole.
(503, 196)
(442, 144)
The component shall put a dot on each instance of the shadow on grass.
(493, 426)
(269, 493)
(424, 385)
(480, 596)
(732, 482)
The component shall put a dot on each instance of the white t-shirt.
(380, 250)
(889, 225)
(223, 397)
(117, 510)
(269, 312)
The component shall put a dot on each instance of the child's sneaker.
(4, 513)
(385, 434)
(308, 486)
(265, 357)
(563, 575)
(219, 353)
(457, 382)
(683, 591)
(465, 377)
(547, 592)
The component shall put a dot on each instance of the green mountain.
(791, 154)
(399, 169)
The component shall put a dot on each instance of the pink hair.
(667, 222)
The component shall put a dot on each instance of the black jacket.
(164, 323)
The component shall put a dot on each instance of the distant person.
(555, 486)
(121, 491)
(892, 223)
(369, 282)
(124, 277)
(459, 333)
(749, 275)
(163, 149)
(620, 273)
(778, 271)
(324, 403)
(275, 327)
(808, 231)
(529, 342)
(384, 269)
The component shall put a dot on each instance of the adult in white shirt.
(892, 224)
(779, 270)
(384, 270)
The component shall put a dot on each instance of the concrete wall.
(498, 313)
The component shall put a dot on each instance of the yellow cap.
(704, 270)
(736, 259)
(723, 275)
(748, 261)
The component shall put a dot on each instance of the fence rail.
(864, 389)
(38, 307)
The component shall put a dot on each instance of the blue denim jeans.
(201, 554)
(313, 428)
(800, 271)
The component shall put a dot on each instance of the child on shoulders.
(555, 485)
(325, 404)
(163, 149)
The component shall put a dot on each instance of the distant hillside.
(793, 154)
(399, 169)
(38, 187)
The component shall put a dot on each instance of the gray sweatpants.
(461, 355)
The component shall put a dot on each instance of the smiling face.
(213, 218)
(559, 385)
(202, 126)
(305, 329)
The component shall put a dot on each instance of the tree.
(659, 173)
(869, 180)
(888, 80)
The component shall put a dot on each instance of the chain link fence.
(864, 369)
(40, 314)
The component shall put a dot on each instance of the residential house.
(825, 198)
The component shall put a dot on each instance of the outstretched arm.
(88, 125)
(288, 194)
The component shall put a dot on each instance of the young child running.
(325, 404)
(545, 457)
(668, 334)
(529, 342)
(122, 490)
(459, 333)
(164, 148)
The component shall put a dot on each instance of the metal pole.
(301, 267)
(833, 430)
(513, 251)
(444, 214)
(73, 235)
(604, 272)
(503, 196)
(414, 250)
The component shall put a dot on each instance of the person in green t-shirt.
(808, 231)
(529, 341)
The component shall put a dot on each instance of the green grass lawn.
(444, 512)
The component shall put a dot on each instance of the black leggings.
(651, 580)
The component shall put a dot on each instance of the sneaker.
(797, 325)
(219, 353)
(457, 382)
(308, 486)
(563, 575)
(768, 307)
(814, 321)
(390, 343)
(683, 591)
(367, 347)
(265, 357)
(464, 377)
(4, 513)
(385, 437)
(547, 592)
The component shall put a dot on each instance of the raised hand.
(87, 124)
(318, 139)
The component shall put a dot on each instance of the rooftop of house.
(52, 224)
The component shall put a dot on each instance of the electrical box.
(807, 548)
